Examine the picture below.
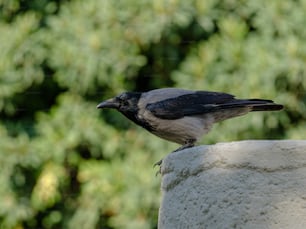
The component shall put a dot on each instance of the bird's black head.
(126, 103)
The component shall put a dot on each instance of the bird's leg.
(188, 144)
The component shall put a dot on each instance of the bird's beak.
(110, 103)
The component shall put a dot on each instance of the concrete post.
(247, 184)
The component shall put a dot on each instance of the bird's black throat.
(129, 108)
(132, 115)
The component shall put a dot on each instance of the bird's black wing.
(195, 103)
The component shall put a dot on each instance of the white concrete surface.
(247, 184)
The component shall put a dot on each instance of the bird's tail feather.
(254, 105)
(267, 107)
(264, 105)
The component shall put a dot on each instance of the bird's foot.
(188, 144)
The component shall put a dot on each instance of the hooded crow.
(183, 116)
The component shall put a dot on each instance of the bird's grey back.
(162, 94)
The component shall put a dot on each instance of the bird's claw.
(159, 163)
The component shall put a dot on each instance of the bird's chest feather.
(177, 130)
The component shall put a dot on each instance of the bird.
(183, 116)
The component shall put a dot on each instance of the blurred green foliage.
(65, 164)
